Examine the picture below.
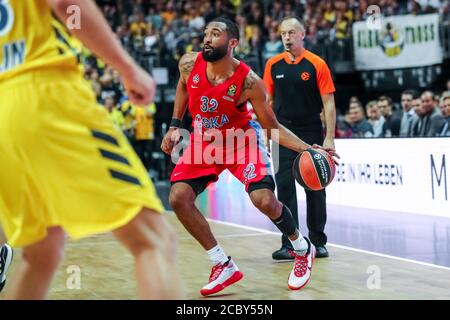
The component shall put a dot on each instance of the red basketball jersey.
(215, 107)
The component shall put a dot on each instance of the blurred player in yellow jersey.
(65, 168)
(145, 133)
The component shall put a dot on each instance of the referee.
(300, 86)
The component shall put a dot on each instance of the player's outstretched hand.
(140, 86)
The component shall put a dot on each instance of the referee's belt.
(287, 122)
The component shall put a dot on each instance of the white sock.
(217, 255)
(300, 244)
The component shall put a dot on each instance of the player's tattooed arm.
(186, 65)
(250, 81)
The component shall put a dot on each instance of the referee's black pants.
(316, 211)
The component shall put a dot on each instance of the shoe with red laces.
(222, 276)
(303, 263)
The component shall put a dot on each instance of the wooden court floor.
(107, 271)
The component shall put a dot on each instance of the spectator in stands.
(245, 35)
(311, 36)
(208, 12)
(276, 11)
(169, 38)
(168, 15)
(92, 76)
(428, 6)
(255, 59)
(346, 10)
(330, 12)
(407, 113)
(361, 128)
(256, 15)
(344, 125)
(376, 119)
(416, 105)
(445, 131)
(445, 11)
(448, 85)
(138, 40)
(195, 45)
(128, 110)
(440, 103)
(274, 46)
(124, 36)
(354, 99)
(392, 122)
(361, 11)
(308, 13)
(112, 15)
(432, 121)
(144, 132)
(138, 26)
(196, 21)
(223, 8)
(323, 31)
(154, 19)
(114, 114)
(110, 88)
(151, 38)
(341, 26)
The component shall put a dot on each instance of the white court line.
(105, 242)
(225, 236)
(337, 246)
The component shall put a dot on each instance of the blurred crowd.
(425, 114)
(165, 29)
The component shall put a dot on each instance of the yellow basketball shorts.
(63, 162)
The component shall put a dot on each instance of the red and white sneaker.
(222, 276)
(301, 272)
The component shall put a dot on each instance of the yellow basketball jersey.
(31, 38)
(128, 110)
(144, 122)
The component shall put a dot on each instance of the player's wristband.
(175, 123)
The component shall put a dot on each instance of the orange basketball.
(314, 169)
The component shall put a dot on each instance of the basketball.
(314, 169)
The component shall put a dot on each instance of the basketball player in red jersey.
(217, 87)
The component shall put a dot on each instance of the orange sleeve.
(267, 78)
(324, 79)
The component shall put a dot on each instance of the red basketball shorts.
(242, 152)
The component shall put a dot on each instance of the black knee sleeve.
(285, 223)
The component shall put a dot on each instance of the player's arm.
(270, 100)
(98, 37)
(330, 119)
(256, 93)
(185, 67)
